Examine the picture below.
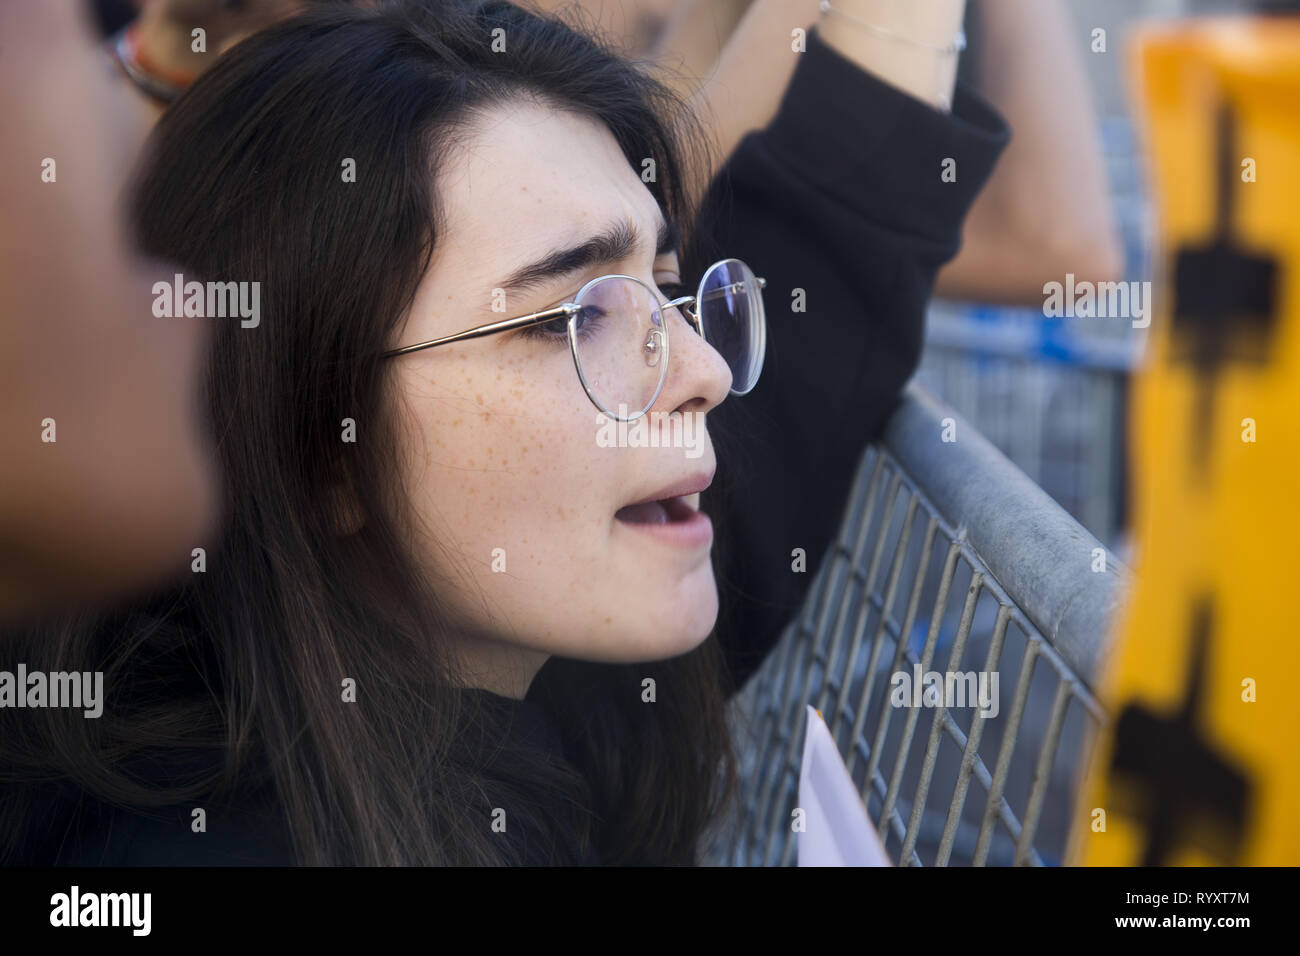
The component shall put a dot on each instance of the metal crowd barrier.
(1050, 393)
(1011, 585)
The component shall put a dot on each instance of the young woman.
(445, 622)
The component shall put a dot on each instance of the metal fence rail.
(1012, 587)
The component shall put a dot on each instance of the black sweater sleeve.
(842, 204)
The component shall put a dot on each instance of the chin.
(681, 624)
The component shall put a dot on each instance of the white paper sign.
(837, 830)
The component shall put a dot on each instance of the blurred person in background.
(163, 49)
(105, 483)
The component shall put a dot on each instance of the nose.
(699, 378)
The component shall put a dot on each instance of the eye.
(672, 290)
(587, 322)
(555, 329)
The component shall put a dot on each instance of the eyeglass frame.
(686, 305)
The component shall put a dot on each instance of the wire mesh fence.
(1051, 397)
(949, 560)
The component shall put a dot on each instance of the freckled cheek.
(514, 458)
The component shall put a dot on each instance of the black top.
(841, 196)
(251, 833)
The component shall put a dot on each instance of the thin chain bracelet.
(956, 46)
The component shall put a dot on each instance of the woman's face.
(515, 486)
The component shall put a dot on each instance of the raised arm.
(840, 203)
(1031, 71)
(1046, 210)
(743, 90)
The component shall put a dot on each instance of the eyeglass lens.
(620, 345)
(731, 312)
(621, 342)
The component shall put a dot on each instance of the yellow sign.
(1201, 762)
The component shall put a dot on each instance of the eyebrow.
(617, 242)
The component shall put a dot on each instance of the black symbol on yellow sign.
(1186, 792)
(1225, 295)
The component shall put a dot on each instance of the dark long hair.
(242, 664)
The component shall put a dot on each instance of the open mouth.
(668, 511)
(673, 519)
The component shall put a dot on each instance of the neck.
(504, 669)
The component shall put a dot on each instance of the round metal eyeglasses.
(619, 338)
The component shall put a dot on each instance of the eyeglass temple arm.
(534, 318)
(762, 284)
